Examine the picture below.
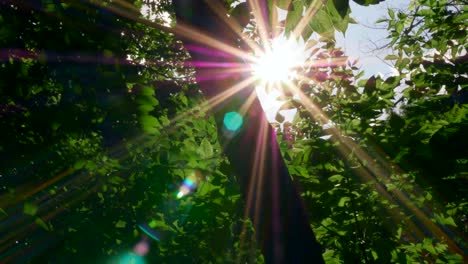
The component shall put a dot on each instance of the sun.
(275, 69)
(279, 62)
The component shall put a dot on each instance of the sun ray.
(6, 203)
(309, 14)
(260, 11)
(253, 201)
(232, 23)
(183, 31)
(375, 171)
(22, 224)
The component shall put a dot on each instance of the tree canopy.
(109, 153)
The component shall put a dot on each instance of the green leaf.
(42, 224)
(121, 224)
(116, 180)
(30, 209)
(441, 219)
(3, 212)
(145, 108)
(284, 4)
(343, 201)
(206, 150)
(149, 123)
(331, 257)
(391, 13)
(294, 16)
(425, 12)
(391, 57)
(399, 26)
(147, 90)
(381, 20)
(463, 17)
(338, 11)
(147, 100)
(341, 6)
(368, 2)
(322, 24)
(79, 164)
(336, 178)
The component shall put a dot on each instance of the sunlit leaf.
(121, 224)
(441, 219)
(343, 201)
(336, 178)
(42, 224)
(30, 209)
(206, 150)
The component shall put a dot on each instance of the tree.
(101, 126)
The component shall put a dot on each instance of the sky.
(362, 39)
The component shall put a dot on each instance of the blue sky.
(361, 39)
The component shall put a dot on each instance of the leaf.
(79, 164)
(391, 13)
(147, 90)
(341, 6)
(30, 209)
(145, 108)
(120, 224)
(284, 4)
(294, 16)
(425, 12)
(338, 12)
(149, 123)
(322, 24)
(399, 26)
(381, 20)
(343, 201)
(391, 57)
(3, 212)
(461, 18)
(206, 150)
(42, 224)
(116, 180)
(336, 178)
(279, 117)
(367, 2)
(439, 218)
(147, 100)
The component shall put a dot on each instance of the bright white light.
(275, 67)
(280, 61)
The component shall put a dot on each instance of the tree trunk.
(272, 200)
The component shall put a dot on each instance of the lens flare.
(233, 121)
(131, 258)
(149, 231)
(141, 248)
(187, 186)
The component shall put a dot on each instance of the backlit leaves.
(112, 145)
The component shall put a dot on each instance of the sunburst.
(280, 61)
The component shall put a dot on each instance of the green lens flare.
(233, 121)
(131, 258)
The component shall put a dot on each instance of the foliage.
(101, 124)
(380, 185)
